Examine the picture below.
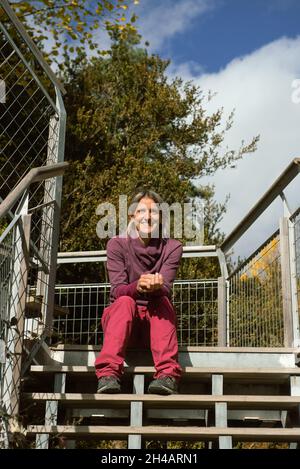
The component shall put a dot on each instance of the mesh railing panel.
(30, 136)
(195, 302)
(29, 129)
(25, 115)
(296, 221)
(6, 259)
(255, 305)
(13, 280)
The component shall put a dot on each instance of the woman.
(142, 266)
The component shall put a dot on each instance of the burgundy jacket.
(128, 258)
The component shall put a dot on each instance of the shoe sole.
(108, 390)
(161, 390)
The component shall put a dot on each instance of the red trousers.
(126, 324)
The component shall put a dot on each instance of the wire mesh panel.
(26, 113)
(32, 123)
(256, 317)
(83, 310)
(6, 258)
(296, 221)
(13, 278)
(195, 303)
(31, 135)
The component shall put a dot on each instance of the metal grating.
(255, 303)
(195, 302)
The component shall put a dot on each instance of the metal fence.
(195, 302)
(255, 299)
(32, 128)
(296, 222)
(257, 305)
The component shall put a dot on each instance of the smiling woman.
(142, 266)
(145, 216)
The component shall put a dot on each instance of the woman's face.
(146, 218)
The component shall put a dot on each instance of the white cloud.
(160, 20)
(260, 87)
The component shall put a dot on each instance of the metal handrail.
(100, 256)
(274, 191)
(257, 250)
(33, 48)
(35, 174)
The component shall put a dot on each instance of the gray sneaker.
(109, 385)
(163, 385)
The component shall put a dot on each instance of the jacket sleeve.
(116, 267)
(168, 270)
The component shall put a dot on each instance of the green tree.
(128, 126)
(72, 24)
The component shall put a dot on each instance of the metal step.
(249, 373)
(181, 433)
(175, 400)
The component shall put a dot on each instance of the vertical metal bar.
(55, 154)
(295, 391)
(225, 442)
(222, 312)
(189, 314)
(286, 282)
(197, 315)
(227, 313)
(293, 273)
(136, 412)
(20, 319)
(17, 302)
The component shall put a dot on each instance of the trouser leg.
(163, 338)
(117, 320)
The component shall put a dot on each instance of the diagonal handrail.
(263, 203)
(35, 174)
(33, 48)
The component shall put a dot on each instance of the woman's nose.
(147, 215)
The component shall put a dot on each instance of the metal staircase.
(238, 334)
(224, 398)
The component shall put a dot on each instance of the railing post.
(222, 312)
(15, 335)
(20, 319)
(222, 301)
(50, 234)
(290, 313)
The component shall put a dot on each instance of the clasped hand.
(150, 282)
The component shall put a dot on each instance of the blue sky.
(233, 28)
(248, 52)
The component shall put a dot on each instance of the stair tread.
(197, 432)
(191, 348)
(186, 370)
(166, 401)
